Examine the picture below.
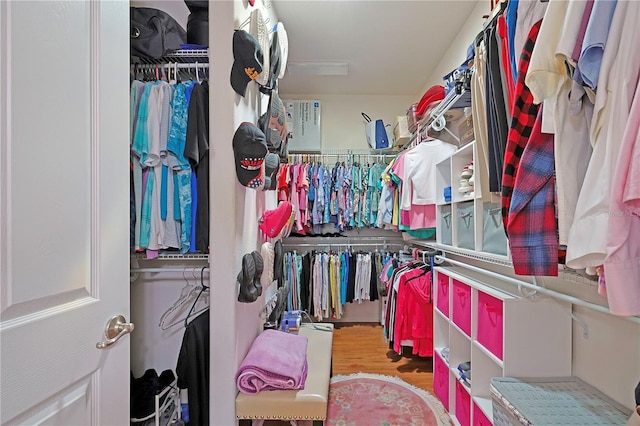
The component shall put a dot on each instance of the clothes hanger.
(202, 290)
(185, 294)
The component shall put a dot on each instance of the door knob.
(115, 329)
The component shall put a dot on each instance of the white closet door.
(63, 211)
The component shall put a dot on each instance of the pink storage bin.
(443, 294)
(441, 380)
(463, 405)
(462, 306)
(490, 324)
(479, 419)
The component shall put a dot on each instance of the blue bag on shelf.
(378, 135)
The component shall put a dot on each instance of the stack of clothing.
(276, 361)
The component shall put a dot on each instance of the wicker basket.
(552, 401)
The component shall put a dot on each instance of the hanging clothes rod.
(184, 270)
(342, 244)
(166, 65)
(345, 239)
(311, 156)
(368, 154)
(539, 289)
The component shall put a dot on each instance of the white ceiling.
(391, 46)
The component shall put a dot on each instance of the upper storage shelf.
(436, 120)
(188, 56)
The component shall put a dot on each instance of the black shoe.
(248, 292)
(143, 394)
(278, 258)
(259, 262)
(166, 379)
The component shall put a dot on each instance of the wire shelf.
(171, 256)
(470, 254)
(181, 56)
(564, 272)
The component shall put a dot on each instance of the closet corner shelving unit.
(466, 221)
(500, 334)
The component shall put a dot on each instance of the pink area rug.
(364, 399)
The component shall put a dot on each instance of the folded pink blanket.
(276, 360)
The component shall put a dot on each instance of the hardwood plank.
(361, 348)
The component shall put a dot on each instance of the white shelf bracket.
(581, 323)
(535, 294)
(529, 294)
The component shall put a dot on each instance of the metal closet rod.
(167, 65)
(191, 269)
(296, 155)
(542, 290)
(343, 244)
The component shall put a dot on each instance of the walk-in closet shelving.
(159, 282)
(465, 221)
(498, 333)
(436, 120)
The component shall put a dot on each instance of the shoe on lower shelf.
(143, 393)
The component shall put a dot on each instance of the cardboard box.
(465, 130)
(401, 133)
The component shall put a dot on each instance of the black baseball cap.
(247, 64)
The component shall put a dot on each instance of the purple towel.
(276, 360)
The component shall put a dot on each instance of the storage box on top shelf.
(401, 133)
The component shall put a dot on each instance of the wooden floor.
(361, 348)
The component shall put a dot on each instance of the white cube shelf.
(499, 333)
(466, 222)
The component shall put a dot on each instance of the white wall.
(609, 358)
(342, 124)
(457, 51)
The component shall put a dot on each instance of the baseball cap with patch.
(248, 61)
(274, 123)
(249, 150)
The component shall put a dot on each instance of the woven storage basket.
(552, 401)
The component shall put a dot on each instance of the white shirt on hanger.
(419, 180)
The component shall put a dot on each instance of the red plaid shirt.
(524, 113)
(532, 227)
